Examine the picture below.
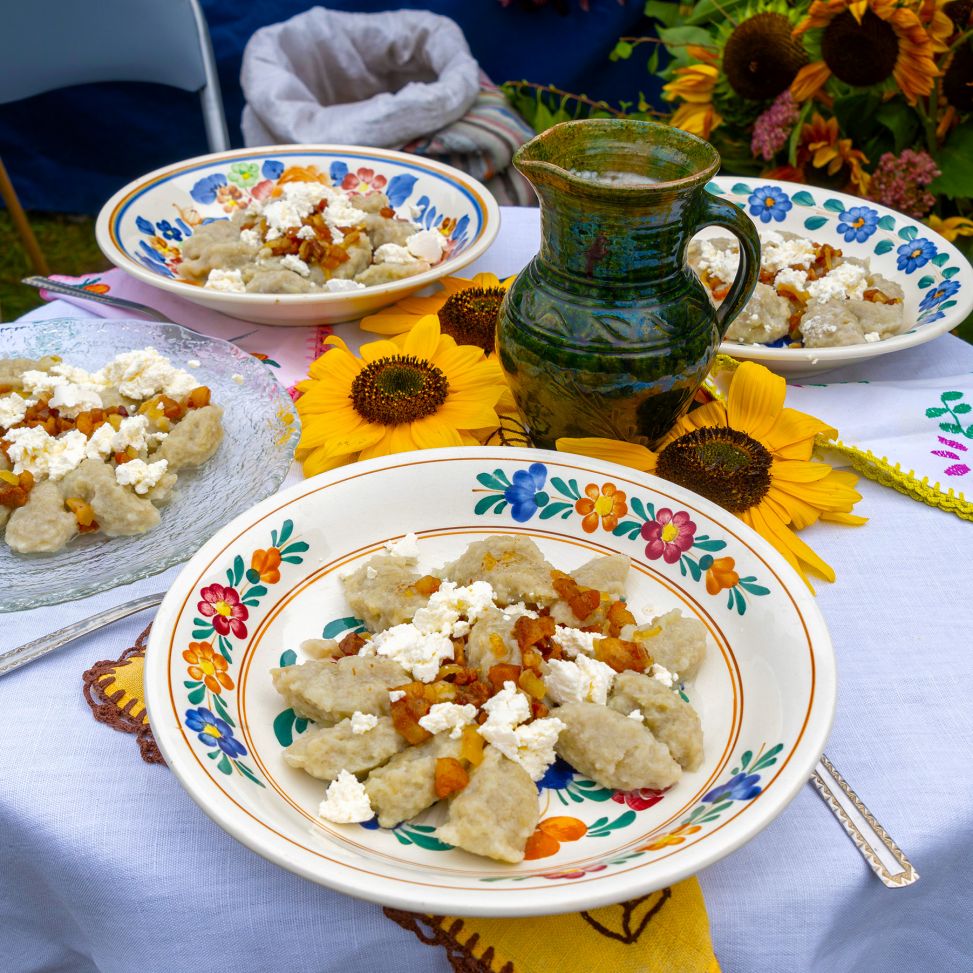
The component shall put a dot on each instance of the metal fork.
(70, 290)
(876, 846)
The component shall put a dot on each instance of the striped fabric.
(482, 143)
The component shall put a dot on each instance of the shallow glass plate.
(765, 693)
(260, 433)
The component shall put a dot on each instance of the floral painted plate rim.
(570, 891)
(106, 225)
(941, 269)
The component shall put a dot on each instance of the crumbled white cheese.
(238, 378)
(371, 573)
(575, 642)
(340, 212)
(225, 281)
(193, 363)
(407, 547)
(530, 745)
(512, 612)
(42, 455)
(306, 233)
(448, 716)
(871, 336)
(426, 245)
(139, 475)
(131, 432)
(13, 408)
(780, 253)
(396, 694)
(362, 722)
(417, 652)
(250, 238)
(793, 276)
(345, 801)
(143, 373)
(584, 681)
(847, 281)
(292, 262)
(636, 715)
(718, 261)
(71, 400)
(338, 285)
(452, 608)
(663, 675)
(392, 253)
(297, 200)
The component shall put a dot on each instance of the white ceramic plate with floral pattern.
(270, 579)
(936, 277)
(143, 227)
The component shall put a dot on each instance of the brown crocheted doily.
(113, 690)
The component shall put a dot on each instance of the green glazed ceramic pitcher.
(607, 331)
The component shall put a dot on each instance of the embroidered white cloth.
(106, 865)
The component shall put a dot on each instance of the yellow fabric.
(663, 932)
(127, 677)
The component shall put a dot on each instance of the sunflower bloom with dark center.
(864, 43)
(419, 390)
(399, 317)
(753, 457)
(762, 57)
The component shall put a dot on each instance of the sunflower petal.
(486, 280)
(317, 461)
(755, 399)
(796, 471)
(374, 350)
(611, 450)
(792, 435)
(852, 520)
(432, 433)
(423, 338)
(711, 414)
(391, 322)
(770, 526)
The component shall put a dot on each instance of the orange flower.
(546, 839)
(721, 575)
(267, 565)
(207, 666)
(608, 504)
(821, 147)
(676, 837)
(937, 23)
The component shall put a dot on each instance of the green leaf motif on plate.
(803, 198)
(834, 205)
(883, 246)
(950, 272)
(925, 282)
(940, 259)
(908, 233)
(887, 222)
(742, 189)
(815, 222)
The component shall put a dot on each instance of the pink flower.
(639, 800)
(773, 128)
(576, 873)
(223, 606)
(363, 181)
(900, 182)
(669, 535)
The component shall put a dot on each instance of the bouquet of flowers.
(874, 97)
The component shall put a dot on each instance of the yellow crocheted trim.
(865, 462)
(882, 471)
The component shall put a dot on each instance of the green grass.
(69, 244)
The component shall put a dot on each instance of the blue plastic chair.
(49, 44)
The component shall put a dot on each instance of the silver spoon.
(70, 290)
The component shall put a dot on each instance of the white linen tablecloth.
(107, 865)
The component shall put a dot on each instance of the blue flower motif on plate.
(205, 189)
(214, 732)
(144, 225)
(915, 253)
(939, 293)
(769, 203)
(742, 787)
(858, 223)
(272, 169)
(167, 231)
(525, 495)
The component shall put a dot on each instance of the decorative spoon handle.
(29, 651)
(883, 855)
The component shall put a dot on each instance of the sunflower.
(761, 56)
(694, 85)
(418, 391)
(864, 43)
(467, 310)
(751, 456)
(952, 227)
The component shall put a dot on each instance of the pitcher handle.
(717, 212)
